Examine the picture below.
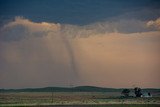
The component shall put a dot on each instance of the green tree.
(125, 92)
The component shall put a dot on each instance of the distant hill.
(63, 89)
(69, 89)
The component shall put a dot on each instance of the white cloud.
(154, 23)
(24, 28)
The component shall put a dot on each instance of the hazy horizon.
(63, 43)
(79, 86)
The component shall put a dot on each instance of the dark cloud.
(14, 33)
(79, 12)
(95, 43)
(48, 54)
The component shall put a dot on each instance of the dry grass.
(65, 98)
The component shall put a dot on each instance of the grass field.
(70, 98)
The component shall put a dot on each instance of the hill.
(70, 89)
(63, 89)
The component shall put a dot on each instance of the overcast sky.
(107, 43)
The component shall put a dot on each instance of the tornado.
(73, 77)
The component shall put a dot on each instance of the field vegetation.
(11, 98)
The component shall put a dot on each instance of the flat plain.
(59, 99)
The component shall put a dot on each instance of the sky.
(105, 43)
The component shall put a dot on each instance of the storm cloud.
(41, 54)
